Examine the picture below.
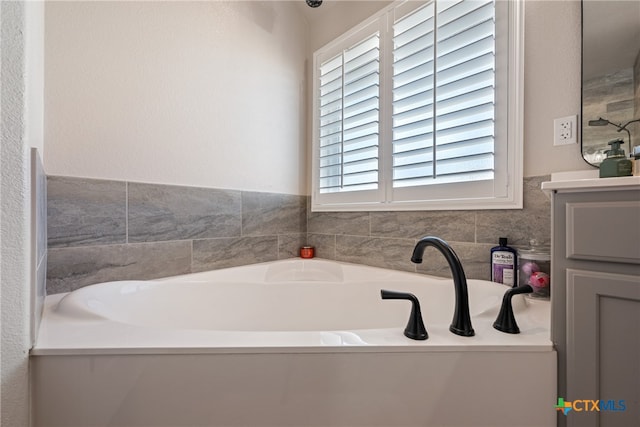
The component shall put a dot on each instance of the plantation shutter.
(443, 122)
(349, 118)
(420, 107)
(413, 68)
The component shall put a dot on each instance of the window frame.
(508, 180)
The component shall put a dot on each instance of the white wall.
(21, 50)
(334, 18)
(552, 72)
(164, 91)
(552, 83)
(208, 94)
(34, 75)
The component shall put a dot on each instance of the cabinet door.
(603, 348)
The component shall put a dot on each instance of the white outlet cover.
(565, 130)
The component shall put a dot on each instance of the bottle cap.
(502, 241)
(615, 150)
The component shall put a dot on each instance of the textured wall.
(552, 84)
(102, 230)
(201, 93)
(113, 230)
(386, 239)
(16, 22)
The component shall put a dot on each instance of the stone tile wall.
(387, 239)
(109, 230)
(102, 230)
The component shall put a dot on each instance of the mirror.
(610, 76)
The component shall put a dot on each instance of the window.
(420, 107)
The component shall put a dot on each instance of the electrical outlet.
(565, 130)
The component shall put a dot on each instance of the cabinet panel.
(603, 347)
(604, 231)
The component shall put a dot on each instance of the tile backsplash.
(386, 239)
(101, 230)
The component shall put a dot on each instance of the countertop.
(588, 180)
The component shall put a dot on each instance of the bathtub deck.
(60, 336)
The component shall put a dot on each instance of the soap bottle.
(504, 261)
(615, 164)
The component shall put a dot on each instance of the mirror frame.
(582, 62)
(582, 84)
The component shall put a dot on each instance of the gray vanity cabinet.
(596, 302)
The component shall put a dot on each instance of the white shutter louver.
(349, 118)
(413, 52)
(465, 90)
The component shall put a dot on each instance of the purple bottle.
(504, 264)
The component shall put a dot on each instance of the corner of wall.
(38, 266)
(18, 25)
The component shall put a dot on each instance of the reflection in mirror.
(610, 76)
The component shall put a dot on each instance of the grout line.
(126, 212)
(105, 245)
(277, 246)
(191, 263)
(475, 227)
(241, 213)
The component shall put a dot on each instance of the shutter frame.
(504, 191)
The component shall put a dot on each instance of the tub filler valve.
(415, 327)
(506, 321)
(461, 324)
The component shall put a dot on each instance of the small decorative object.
(529, 268)
(539, 280)
(535, 269)
(306, 252)
(615, 164)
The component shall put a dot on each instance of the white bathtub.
(299, 342)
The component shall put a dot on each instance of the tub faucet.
(461, 324)
(506, 321)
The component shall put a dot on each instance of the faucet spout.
(461, 323)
